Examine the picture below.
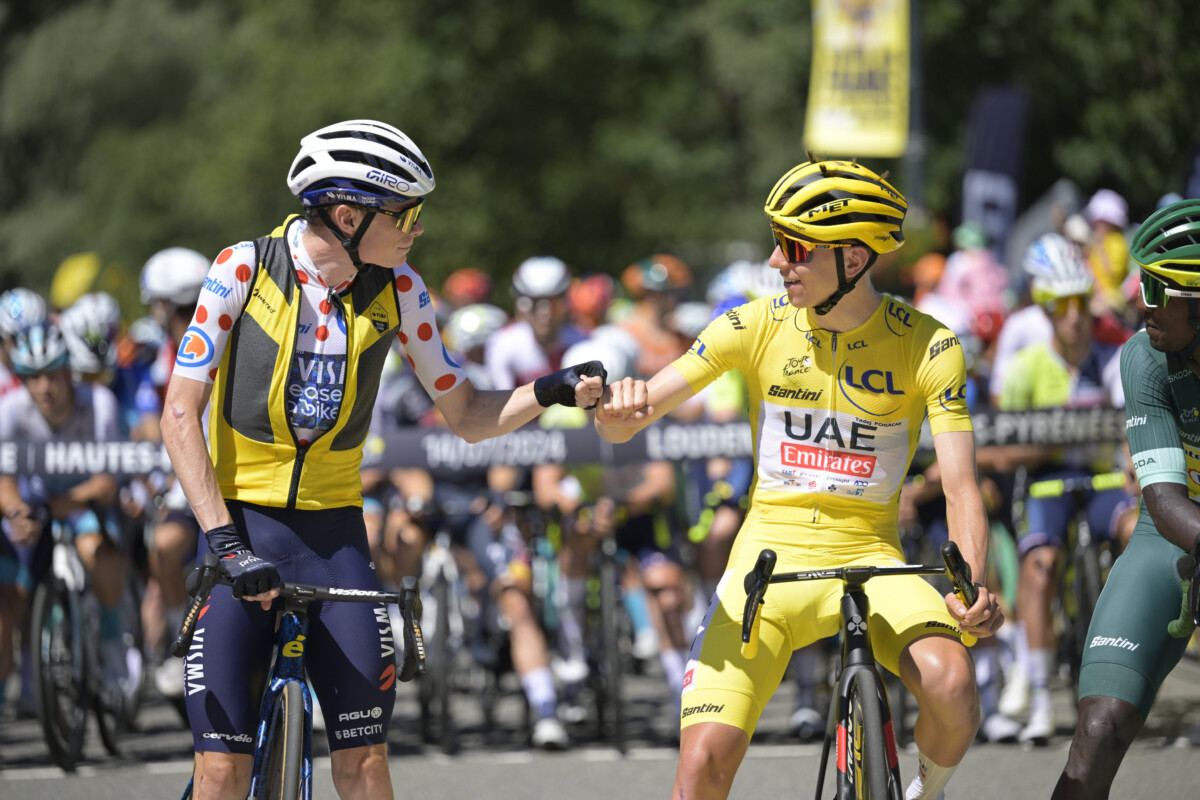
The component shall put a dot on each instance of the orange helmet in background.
(588, 299)
(466, 286)
(658, 273)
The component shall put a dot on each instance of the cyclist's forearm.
(98, 490)
(1176, 518)
(184, 440)
(968, 527)
(485, 414)
(11, 503)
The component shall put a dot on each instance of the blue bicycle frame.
(290, 640)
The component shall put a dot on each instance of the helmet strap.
(844, 286)
(1189, 352)
(349, 243)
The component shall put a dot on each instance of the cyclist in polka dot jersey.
(288, 342)
(320, 334)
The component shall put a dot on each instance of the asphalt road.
(495, 764)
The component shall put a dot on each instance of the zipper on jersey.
(301, 450)
(832, 404)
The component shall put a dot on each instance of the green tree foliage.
(596, 130)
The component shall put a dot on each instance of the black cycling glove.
(250, 575)
(558, 388)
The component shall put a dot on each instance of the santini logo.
(1119, 642)
(703, 708)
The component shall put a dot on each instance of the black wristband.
(558, 388)
(225, 539)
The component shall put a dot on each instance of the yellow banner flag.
(858, 90)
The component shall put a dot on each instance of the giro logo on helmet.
(387, 179)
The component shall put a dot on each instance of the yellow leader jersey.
(836, 417)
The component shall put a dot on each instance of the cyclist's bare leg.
(361, 773)
(1035, 593)
(1107, 726)
(12, 601)
(938, 672)
(713, 553)
(404, 541)
(666, 590)
(221, 776)
(173, 544)
(709, 756)
(105, 566)
(528, 643)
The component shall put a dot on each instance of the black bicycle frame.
(857, 654)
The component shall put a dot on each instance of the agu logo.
(196, 349)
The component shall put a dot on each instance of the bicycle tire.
(281, 769)
(442, 657)
(866, 748)
(60, 671)
(611, 680)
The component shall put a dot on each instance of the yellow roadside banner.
(859, 87)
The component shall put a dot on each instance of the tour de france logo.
(196, 349)
(797, 366)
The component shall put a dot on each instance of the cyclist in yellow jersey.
(840, 379)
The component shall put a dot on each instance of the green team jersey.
(1128, 652)
(1162, 416)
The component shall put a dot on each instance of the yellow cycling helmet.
(838, 201)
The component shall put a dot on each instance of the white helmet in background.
(621, 340)
(470, 326)
(689, 319)
(1057, 268)
(176, 275)
(744, 279)
(20, 308)
(90, 328)
(614, 360)
(39, 348)
(541, 276)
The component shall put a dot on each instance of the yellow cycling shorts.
(722, 685)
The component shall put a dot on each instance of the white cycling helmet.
(689, 319)
(40, 347)
(541, 276)
(361, 162)
(90, 327)
(176, 275)
(470, 326)
(745, 279)
(1057, 268)
(616, 365)
(20, 308)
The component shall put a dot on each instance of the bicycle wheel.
(437, 722)
(281, 770)
(612, 712)
(866, 757)
(60, 671)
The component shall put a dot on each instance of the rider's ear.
(857, 258)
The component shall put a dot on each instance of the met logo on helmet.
(195, 349)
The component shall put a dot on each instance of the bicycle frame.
(857, 653)
(288, 667)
